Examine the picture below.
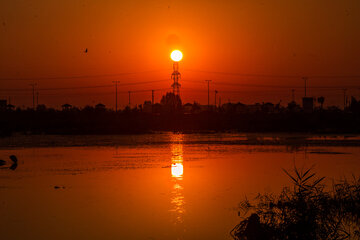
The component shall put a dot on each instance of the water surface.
(165, 186)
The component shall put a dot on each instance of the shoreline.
(160, 138)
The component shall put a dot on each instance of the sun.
(176, 55)
(177, 170)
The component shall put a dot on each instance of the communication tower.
(176, 56)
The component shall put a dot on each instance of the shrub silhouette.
(307, 211)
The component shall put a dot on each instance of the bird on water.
(14, 160)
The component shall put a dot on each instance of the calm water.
(166, 186)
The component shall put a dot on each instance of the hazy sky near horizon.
(47, 39)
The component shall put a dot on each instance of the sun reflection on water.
(177, 172)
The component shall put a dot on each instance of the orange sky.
(46, 39)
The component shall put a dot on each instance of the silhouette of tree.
(88, 109)
(66, 107)
(41, 108)
(100, 107)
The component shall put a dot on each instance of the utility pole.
(219, 101)
(37, 99)
(344, 98)
(129, 99)
(33, 90)
(208, 81)
(305, 79)
(293, 94)
(152, 97)
(215, 97)
(116, 101)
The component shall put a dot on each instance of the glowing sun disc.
(176, 55)
(177, 169)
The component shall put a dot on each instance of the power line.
(79, 76)
(217, 83)
(97, 93)
(148, 90)
(189, 70)
(273, 86)
(239, 91)
(243, 74)
(270, 75)
(280, 90)
(57, 88)
(82, 87)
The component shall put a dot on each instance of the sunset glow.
(165, 119)
(177, 172)
(242, 46)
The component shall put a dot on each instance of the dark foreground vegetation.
(307, 211)
(171, 115)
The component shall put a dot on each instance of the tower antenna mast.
(176, 56)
